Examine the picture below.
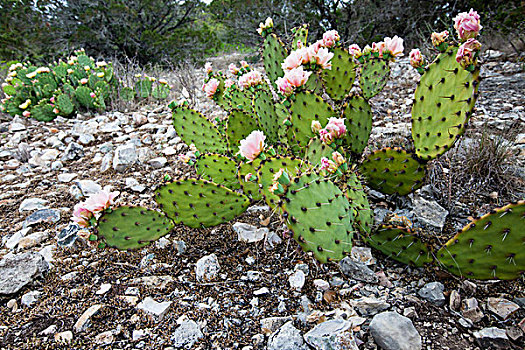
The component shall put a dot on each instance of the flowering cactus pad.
(273, 54)
(338, 80)
(250, 188)
(199, 203)
(240, 124)
(43, 112)
(218, 168)
(363, 215)
(443, 103)
(300, 34)
(401, 244)
(83, 96)
(64, 104)
(320, 217)
(490, 247)
(374, 75)
(393, 170)
(132, 227)
(317, 150)
(358, 120)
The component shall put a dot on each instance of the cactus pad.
(199, 203)
(238, 127)
(43, 112)
(241, 99)
(317, 150)
(338, 80)
(132, 227)
(269, 120)
(402, 245)
(82, 94)
(491, 247)
(160, 92)
(218, 168)
(273, 54)
(363, 215)
(443, 103)
(358, 120)
(143, 88)
(374, 75)
(194, 128)
(320, 218)
(250, 188)
(393, 170)
(299, 34)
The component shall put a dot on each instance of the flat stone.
(470, 310)
(492, 338)
(30, 298)
(271, 324)
(105, 338)
(110, 127)
(32, 240)
(159, 282)
(332, 335)
(13, 127)
(286, 338)
(125, 156)
(104, 288)
(67, 236)
(18, 271)
(429, 212)
(187, 334)
(249, 233)
(321, 284)
(297, 280)
(155, 309)
(357, 271)
(84, 321)
(66, 177)
(368, 306)
(13, 241)
(86, 139)
(30, 204)
(392, 331)
(64, 337)
(272, 240)
(261, 291)
(502, 308)
(433, 292)
(48, 216)
(88, 187)
(158, 162)
(362, 255)
(207, 268)
(134, 185)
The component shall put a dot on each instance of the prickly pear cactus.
(443, 103)
(401, 244)
(64, 104)
(241, 100)
(363, 215)
(132, 227)
(160, 92)
(338, 80)
(491, 247)
(194, 128)
(320, 218)
(199, 203)
(393, 170)
(269, 120)
(218, 168)
(239, 125)
(250, 188)
(43, 112)
(299, 34)
(358, 120)
(127, 94)
(83, 96)
(143, 88)
(273, 54)
(374, 75)
(317, 150)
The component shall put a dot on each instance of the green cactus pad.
(64, 104)
(374, 75)
(267, 170)
(143, 88)
(358, 120)
(200, 203)
(273, 54)
(127, 94)
(238, 127)
(241, 100)
(338, 80)
(491, 247)
(194, 128)
(160, 92)
(43, 112)
(299, 34)
(393, 170)
(402, 245)
(102, 89)
(219, 96)
(132, 227)
(84, 60)
(83, 96)
(443, 103)
(305, 108)
(218, 168)
(264, 108)
(320, 218)
(363, 215)
(317, 150)
(250, 188)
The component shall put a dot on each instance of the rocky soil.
(244, 284)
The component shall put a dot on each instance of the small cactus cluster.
(60, 89)
(299, 141)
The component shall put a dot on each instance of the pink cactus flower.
(252, 145)
(297, 76)
(325, 163)
(338, 158)
(52, 99)
(284, 86)
(336, 126)
(244, 64)
(294, 60)
(467, 25)
(472, 44)
(416, 58)
(26, 114)
(211, 87)
(92, 95)
(233, 69)
(323, 57)
(466, 54)
(355, 50)
(330, 38)
(394, 46)
(310, 53)
(81, 214)
(439, 38)
(208, 68)
(228, 83)
(326, 136)
(316, 126)
(102, 200)
(56, 111)
(83, 81)
(379, 48)
(249, 79)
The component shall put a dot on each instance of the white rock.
(66, 177)
(154, 308)
(297, 279)
(104, 288)
(49, 330)
(158, 162)
(30, 204)
(249, 233)
(64, 337)
(84, 320)
(105, 338)
(261, 291)
(187, 334)
(30, 298)
(207, 268)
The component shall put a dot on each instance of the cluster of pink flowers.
(292, 79)
(250, 79)
(466, 55)
(355, 51)
(266, 25)
(233, 69)
(330, 38)
(211, 87)
(335, 129)
(416, 58)
(392, 46)
(332, 165)
(316, 53)
(252, 145)
(467, 25)
(93, 206)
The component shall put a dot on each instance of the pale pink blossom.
(26, 114)
(466, 54)
(310, 53)
(208, 68)
(252, 145)
(326, 136)
(338, 158)
(249, 79)
(330, 38)
(56, 111)
(355, 50)
(101, 200)
(233, 69)
(52, 99)
(228, 83)
(211, 87)
(284, 86)
(416, 58)
(323, 57)
(394, 46)
(294, 60)
(472, 44)
(379, 48)
(316, 126)
(92, 95)
(83, 81)
(439, 38)
(244, 64)
(467, 25)
(336, 126)
(297, 76)
(325, 163)
(81, 214)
